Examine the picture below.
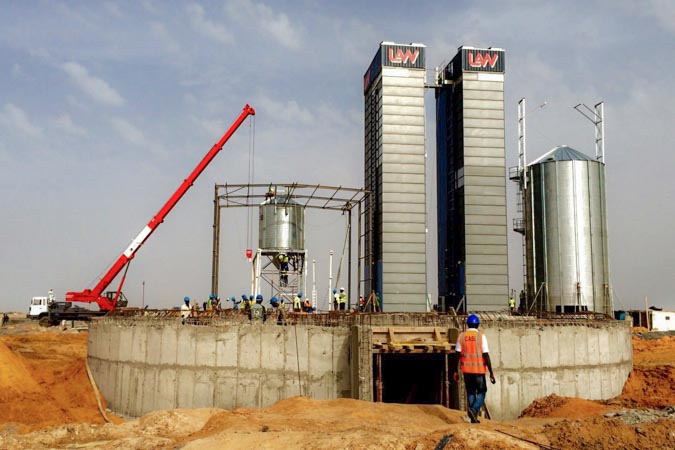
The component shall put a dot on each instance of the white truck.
(39, 306)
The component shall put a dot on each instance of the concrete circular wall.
(590, 360)
(146, 365)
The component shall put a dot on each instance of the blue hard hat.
(250, 297)
(473, 320)
(259, 297)
(274, 300)
(334, 291)
(187, 299)
(300, 294)
(244, 296)
(232, 298)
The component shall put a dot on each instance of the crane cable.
(344, 247)
(251, 177)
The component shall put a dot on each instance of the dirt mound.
(653, 351)
(602, 433)
(563, 407)
(44, 381)
(648, 387)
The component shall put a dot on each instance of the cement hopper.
(566, 233)
(281, 225)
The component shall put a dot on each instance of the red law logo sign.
(401, 56)
(480, 60)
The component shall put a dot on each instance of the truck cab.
(39, 307)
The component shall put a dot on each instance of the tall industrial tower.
(395, 211)
(472, 240)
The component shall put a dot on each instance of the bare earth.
(46, 401)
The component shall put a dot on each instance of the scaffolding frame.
(314, 196)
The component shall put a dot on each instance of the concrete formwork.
(144, 365)
(590, 360)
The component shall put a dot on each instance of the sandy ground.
(46, 401)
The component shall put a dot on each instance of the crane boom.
(95, 294)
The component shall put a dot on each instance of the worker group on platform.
(278, 309)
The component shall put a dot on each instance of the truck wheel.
(44, 322)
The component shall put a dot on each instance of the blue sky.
(106, 106)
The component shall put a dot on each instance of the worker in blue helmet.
(474, 362)
(235, 303)
(336, 296)
(257, 312)
(185, 309)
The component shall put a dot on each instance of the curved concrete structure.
(145, 364)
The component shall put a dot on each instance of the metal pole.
(143, 296)
(447, 383)
(358, 254)
(330, 280)
(600, 132)
(314, 284)
(304, 275)
(216, 243)
(349, 260)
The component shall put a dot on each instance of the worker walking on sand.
(474, 359)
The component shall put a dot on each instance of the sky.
(105, 107)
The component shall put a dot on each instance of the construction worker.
(297, 303)
(474, 359)
(235, 303)
(512, 302)
(342, 299)
(185, 309)
(244, 300)
(336, 296)
(257, 312)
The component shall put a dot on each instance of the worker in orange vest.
(474, 359)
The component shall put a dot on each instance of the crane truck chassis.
(57, 311)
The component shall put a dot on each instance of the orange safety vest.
(471, 359)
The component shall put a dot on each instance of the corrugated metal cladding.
(566, 232)
(395, 216)
(472, 253)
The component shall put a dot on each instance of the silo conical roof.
(562, 153)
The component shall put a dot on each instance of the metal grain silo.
(566, 233)
(281, 225)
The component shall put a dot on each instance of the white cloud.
(167, 42)
(277, 25)
(65, 123)
(97, 88)
(113, 9)
(17, 71)
(289, 112)
(129, 132)
(150, 6)
(208, 28)
(14, 118)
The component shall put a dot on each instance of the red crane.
(109, 301)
